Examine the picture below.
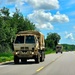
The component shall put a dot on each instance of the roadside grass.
(49, 51)
(6, 57)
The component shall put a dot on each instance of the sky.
(49, 16)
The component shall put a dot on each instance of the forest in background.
(68, 47)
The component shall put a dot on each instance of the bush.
(3, 58)
(6, 53)
(48, 51)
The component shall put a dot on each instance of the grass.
(49, 51)
(6, 57)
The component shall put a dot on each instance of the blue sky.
(56, 16)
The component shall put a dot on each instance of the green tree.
(52, 40)
(68, 47)
(10, 25)
(22, 23)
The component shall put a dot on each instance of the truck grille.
(24, 48)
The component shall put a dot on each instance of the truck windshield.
(30, 39)
(19, 39)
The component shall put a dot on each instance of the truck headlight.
(16, 52)
(32, 52)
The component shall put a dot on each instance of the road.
(54, 64)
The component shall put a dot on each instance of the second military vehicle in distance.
(59, 48)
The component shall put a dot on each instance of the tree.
(10, 25)
(52, 40)
(68, 47)
(5, 13)
(22, 23)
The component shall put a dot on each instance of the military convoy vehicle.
(59, 48)
(29, 45)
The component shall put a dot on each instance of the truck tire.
(56, 52)
(42, 57)
(37, 59)
(61, 52)
(16, 60)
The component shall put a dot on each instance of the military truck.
(29, 45)
(59, 48)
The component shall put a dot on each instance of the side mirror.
(12, 40)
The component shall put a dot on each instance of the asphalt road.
(54, 64)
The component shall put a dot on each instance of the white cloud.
(44, 4)
(69, 36)
(60, 18)
(39, 17)
(47, 26)
(44, 20)
(37, 4)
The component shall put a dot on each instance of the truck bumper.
(26, 55)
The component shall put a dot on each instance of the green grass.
(6, 57)
(49, 51)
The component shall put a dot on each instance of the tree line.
(10, 25)
(68, 47)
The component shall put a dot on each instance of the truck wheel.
(16, 60)
(42, 57)
(61, 52)
(56, 52)
(37, 59)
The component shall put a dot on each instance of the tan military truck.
(59, 48)
(29, 45)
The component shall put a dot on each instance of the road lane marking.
(39, 69)
(48, 64)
